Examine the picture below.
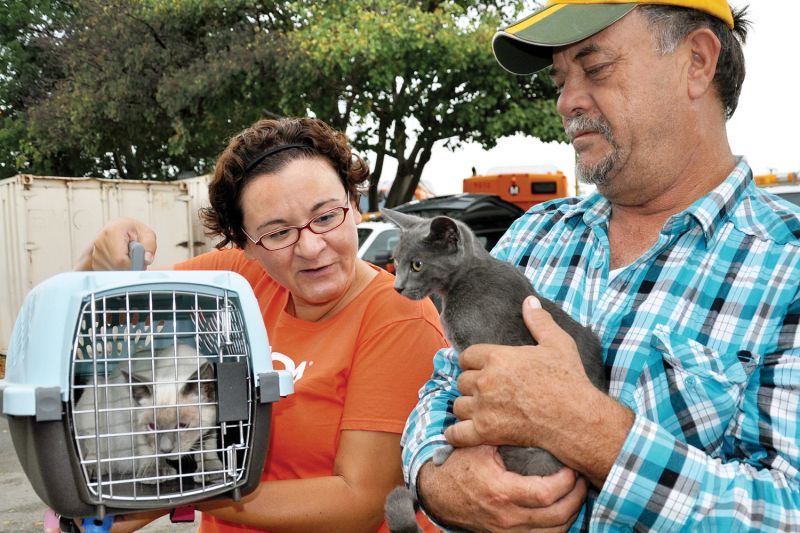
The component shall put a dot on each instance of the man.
(687, 272)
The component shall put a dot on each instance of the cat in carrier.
(146, 415)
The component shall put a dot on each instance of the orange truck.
(521, 188)
(783, 178)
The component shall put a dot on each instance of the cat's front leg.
(441, 454)
(209, 466)
(151, 471)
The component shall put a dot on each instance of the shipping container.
(46, 222)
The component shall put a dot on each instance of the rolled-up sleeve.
(424, 431)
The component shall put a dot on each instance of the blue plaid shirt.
(701, 341)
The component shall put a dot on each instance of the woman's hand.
(109, 250)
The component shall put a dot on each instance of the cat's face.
(430, 251)
(173, 418)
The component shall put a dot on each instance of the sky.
(765, 128)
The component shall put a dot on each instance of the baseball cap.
(526, 46)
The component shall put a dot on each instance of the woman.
(284, 193)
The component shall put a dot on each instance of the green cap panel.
(524, 50)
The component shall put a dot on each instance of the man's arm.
(655, 481)
(472, 489)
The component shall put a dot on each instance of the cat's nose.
(399, 288)
(165, 444)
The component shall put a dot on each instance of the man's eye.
(596, 70)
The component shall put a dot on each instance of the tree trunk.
(121, 172)
(134, 171)
(409, 172)
(380, 154)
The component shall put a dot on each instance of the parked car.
(787, 192)
(376, 240)
(487, 215)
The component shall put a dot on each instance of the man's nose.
(573, 100)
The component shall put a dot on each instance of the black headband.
(274, 150)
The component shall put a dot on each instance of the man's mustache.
(584, 123)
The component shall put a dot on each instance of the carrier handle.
(136, 253)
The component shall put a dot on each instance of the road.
(21, 510)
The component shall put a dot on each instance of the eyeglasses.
(288, 235)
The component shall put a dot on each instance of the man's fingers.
(468, 382)
(474, 357)
(463, 434)
(464, 407)
(564, 510)
(542, 491)
(542, 326)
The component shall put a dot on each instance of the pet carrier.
(140, 390)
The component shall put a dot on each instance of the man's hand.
(473, 490)
(109, 250)
(538, 396)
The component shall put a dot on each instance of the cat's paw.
(441, 454)
(152, 472)
(210, 469)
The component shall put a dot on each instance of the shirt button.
(691, 382)
(598, 263)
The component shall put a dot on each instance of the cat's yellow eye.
(416, 265)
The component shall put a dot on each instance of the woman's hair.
(673, 24)
(224, 218)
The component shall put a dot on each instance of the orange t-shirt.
(358, 370)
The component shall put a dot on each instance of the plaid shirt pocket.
(700, 389)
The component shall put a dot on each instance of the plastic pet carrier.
(140, 390)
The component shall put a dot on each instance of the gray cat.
(482, 303)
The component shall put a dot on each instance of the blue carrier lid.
(44, 335)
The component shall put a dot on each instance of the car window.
(793, 197)
(384, 242)
(363, 233)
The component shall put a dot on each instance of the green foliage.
(404, 75)
(152, 88)
(145, 89)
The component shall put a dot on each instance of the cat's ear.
(402, 220)
(139, 391)
(206, 373)
(444, 230)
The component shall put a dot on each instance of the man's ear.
(704, 48)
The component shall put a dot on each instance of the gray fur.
(481, 303)
(400, 510)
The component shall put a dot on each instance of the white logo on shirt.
(296, 371)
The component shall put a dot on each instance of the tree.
(404, 75)
(28, 29)
(153, 88)
(148, 89)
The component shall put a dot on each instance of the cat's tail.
(401, 511)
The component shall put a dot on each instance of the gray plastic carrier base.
(47, 453)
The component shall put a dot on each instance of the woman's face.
(317, 269)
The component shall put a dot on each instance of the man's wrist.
(597, 436)
(424, 479)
